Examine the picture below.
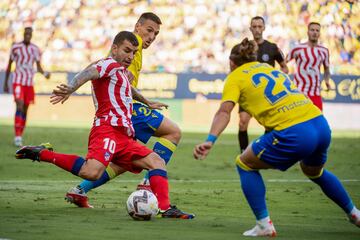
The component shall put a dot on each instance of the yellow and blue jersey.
(136, 64)
(269, 96)
(144, 119)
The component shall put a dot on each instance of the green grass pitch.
(32, 204)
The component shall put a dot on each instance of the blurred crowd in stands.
(196, 35)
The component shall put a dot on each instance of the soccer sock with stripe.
(108, 174)
(334, 190)
(253, 188)
(165, 149)
(20, 120)
(243, 140)
(160, 186)
(70, 163)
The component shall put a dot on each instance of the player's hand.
(54, 99)
(63, 90)
(47, 75)
(61, 93)
(202, 150)
(157, 105)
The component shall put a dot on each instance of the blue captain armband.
(211, 138)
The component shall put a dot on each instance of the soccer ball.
(142, 205)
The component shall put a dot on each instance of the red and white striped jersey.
(309, 60)
(112, 95)
(24, 56)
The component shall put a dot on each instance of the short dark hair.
(313, 23)
(125, 35)
(258, 18)
(149, 16)
(28, 28)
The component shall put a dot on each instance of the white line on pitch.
(174, 181)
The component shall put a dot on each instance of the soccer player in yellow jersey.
(146, 122)
(297, 132)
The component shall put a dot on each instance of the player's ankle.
(264, 221)
(354, 211)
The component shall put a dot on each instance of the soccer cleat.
(78, 197)
(32, 152)
(261, 230)
(355, 218)
(174, 212)
(18, 141)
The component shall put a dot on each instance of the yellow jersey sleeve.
(136, 64)
(231, 91)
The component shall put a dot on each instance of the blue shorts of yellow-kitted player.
(145, 121)
(307, 142)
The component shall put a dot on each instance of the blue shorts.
(307, 142)
(145, 121)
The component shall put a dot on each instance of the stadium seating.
(196, 36)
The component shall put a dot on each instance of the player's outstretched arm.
(151, 104)
(220, 121)
(63, 91)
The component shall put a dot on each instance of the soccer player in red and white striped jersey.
(112, 136)
(112, 96)
(309, 58)
(24, 54)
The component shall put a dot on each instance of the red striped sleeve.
(291, 55)
(106, 67)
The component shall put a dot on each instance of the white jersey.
(24, 56)
(309, 60)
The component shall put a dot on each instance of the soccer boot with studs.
(32, 152)
(78, 197)
(174, 212)
(261, 230)
(354, 217)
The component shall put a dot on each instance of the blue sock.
(333, 188)
(20, 114)
(164, 148)
(253, 188)
(87, 185)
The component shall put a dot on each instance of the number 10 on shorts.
(109, 144)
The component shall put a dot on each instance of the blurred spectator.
(196, 35)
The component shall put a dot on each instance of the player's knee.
(155, 162)
(176, 135)
(311, 171)
(20, 106)
(91, 174)
(243, 125)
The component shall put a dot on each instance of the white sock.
(264, 221)
(354, 211)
